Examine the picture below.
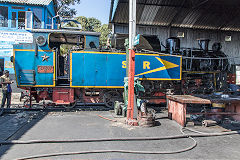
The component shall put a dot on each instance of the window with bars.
(3, 16)
(21, 20)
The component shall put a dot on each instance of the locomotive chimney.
(203, 43)
(173, 45)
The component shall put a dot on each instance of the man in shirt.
(6, 89)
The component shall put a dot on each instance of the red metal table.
(177, 106)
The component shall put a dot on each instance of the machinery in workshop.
(204, 71)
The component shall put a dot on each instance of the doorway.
(21, 20)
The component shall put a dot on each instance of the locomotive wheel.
(72, 105)
(26, 102)
(149, 87)
(110, 97)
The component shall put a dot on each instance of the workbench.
(177, 106)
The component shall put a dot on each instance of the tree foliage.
(104, 34)
(64, 9)
(95, 25)
(89, 24)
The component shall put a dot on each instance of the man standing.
(6, 89)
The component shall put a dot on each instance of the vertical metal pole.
(132, 22)
(131, 70)
(134, 25)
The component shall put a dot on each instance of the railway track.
(12, 123)
(13, 120)
(78, 107)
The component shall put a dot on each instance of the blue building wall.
(13, 33)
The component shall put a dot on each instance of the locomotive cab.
(63, 44)
(49, 56)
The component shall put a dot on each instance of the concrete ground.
(86, 124)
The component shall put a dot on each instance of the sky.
(99, 9)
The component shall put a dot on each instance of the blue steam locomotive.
(66, 67)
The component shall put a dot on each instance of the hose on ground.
(109, 151)
(113, 120)
(13, 142)
(192, 130)
(116, 151)
(117, 139)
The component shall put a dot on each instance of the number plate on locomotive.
(45, 69)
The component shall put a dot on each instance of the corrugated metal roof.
(199, 14)
(66, 31)
(33, 2)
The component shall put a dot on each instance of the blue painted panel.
(89, 70)
(115, 71)
(100, 70)
(27, 77)
(96, 69)
(44, 78)
(160, 67)
(103, 69)
(26, 66)
(78, 69)
(21, 66)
